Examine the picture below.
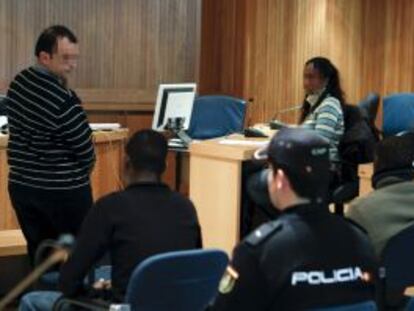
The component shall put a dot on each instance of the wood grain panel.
(370, 41)
(127, 47)
(222, 54)
(7, 215)
(290, 32)
(399, 50)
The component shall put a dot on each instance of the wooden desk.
(106, 176)
(365, 174)
(12, 243)
(215, 189)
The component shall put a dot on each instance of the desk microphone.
(292, 108)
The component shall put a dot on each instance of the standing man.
(308, 258)
(50, 150)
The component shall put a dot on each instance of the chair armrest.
(88, 304)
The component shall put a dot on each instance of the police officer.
(308, 257)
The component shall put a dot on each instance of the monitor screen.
(173, 101)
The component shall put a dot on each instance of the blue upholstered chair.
(174, 281)
(363, 306)
(215, 116)
(398, 113)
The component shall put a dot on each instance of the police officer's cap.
(304, 153)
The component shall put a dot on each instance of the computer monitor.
(174, 101)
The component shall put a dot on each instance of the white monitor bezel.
(165, 90)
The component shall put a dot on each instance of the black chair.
(357, 147)
(369, 107)
(398, 268)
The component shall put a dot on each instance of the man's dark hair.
(299, 186)
(329, 72)
(147, 151)
(47, 41)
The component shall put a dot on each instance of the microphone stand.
(59, 255)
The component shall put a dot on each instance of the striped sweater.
(328, 121)
(50, 145)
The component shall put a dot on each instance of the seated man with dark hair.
(306, 258)
(145, 219)
(390, 208)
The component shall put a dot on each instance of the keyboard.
(176, 143)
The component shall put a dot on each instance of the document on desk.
(105, 126)
(240, 142)
(3, 121)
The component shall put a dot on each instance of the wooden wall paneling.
(248, 58)
(369, 41)
(127, 47)
(222, 55)
(291, 32)
(373, 57)
(399, 50)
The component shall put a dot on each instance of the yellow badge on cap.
(228, 280)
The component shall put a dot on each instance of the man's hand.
(102, 284)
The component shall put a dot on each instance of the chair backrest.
(398, 113)
(358, 142)
(216, 115)
(362, 306)
(369, 107)
(182, 280)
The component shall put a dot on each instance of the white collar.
(313, 98)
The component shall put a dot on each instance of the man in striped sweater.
(50, 150)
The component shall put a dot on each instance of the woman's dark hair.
(333, 88)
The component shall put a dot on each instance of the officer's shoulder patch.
(260, 234)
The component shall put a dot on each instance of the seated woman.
(322, 108)
(322, 111)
